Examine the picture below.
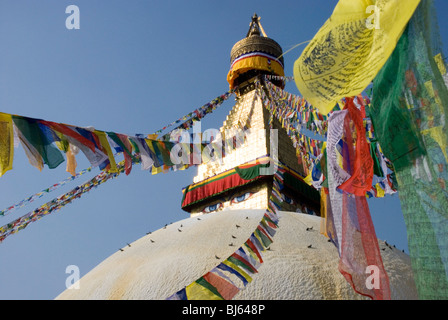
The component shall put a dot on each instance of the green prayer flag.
(31, 130)
(408, 112)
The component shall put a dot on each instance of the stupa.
(226, 201)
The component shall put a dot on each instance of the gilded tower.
(250, 138)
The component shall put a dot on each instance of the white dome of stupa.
(165, 261)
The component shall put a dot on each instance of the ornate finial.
(255, 18)
(254, 27)
(256, 41)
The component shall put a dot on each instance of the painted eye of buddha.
(212, 208)
(242, 197)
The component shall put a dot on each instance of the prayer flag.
(408, 111)
(6, 143)
(349, 49)
(225, 289)
(35, 138)
(200, 290)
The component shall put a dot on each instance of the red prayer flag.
(225, 288)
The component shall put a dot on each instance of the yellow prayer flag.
(308, 179)
(379, 191)
(6, 143)
(349, 49)
(156, 170)
(105, 144)
(195, 291)
(238, 269)
(252, 254)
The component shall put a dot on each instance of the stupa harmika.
(225, 209)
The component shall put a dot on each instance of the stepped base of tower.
(165, 261)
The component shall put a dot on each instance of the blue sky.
(132, 67)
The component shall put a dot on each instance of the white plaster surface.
(173, 259)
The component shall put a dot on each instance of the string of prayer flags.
(160, 161)
(45, 142)
(296, 110)
(40, 194)
(57, 203)
(83, 138)
(350, 48)
(234, 273)
(295, 114)
(197, 114)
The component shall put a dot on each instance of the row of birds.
(163, 228)
(230, 244)
(310, 246)
(390, 247)
(178, 229)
